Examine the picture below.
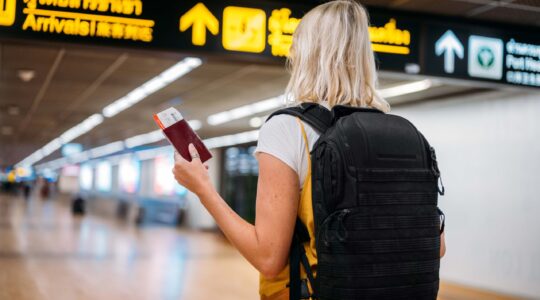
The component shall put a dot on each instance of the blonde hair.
(331, 58)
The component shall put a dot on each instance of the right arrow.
(200, 18)
(449, 44)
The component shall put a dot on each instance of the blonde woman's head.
(331, 58)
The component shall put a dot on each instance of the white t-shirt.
(282, 138)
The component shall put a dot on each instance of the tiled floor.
(46, 253)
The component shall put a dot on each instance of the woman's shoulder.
(280, 128)
(282, 120)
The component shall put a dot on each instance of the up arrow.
(449, 44)
(200, 18)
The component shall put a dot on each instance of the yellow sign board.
(281, 27)
(55, 17)
(244, 29)
(389, 39)
(200, 19)
(7, 12)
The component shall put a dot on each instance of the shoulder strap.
(298, 288)
(314, 114)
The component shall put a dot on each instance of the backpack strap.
(313, 114)
(298, 288)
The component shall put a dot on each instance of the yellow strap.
(306, 142)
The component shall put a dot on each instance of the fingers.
(193, 152)
(178, 157)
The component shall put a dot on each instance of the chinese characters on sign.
(52, 16)
(244, 30)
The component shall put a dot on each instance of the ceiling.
(73, 82)
(520, 12)
(70, 84)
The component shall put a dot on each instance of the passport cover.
(180, 135)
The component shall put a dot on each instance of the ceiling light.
(146, 138)
(26, 75)
(81, 128)
(407, 88)
(246, 110)
(166, 77)
(195, 124)
(7, 130)
(151, 86)
(13, 110)
(51, 147)
(71, 134)
(80, 157)
(211, 143)
(255, 122)
(276, 102)
(152, 153)
(233, 139)
(106, 149)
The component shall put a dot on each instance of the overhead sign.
(449, 46)
(263, 30)
(200, 19)
(483, 54)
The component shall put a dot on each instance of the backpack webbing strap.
(294, 270)
(315, 115)
(442, 218)
(298, 257)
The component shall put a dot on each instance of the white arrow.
(449, 44)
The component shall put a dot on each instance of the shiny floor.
(46, 253)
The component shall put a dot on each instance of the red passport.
(180, 134)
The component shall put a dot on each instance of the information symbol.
(485, 57)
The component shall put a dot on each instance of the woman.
(331, 63)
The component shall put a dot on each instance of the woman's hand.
(192, 175)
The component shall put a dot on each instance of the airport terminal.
(89, 206)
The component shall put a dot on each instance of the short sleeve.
(281, 137)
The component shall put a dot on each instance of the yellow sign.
(281, 27)
(200, 18)
(7, 12)
(40, 19)
(244, 29)
(389, 39)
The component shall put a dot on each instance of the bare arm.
(443, 245)
(266, 244)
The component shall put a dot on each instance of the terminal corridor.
(47, 253)
(413, 162)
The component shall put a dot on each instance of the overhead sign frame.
(262, 31)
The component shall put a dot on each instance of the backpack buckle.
(436, 171)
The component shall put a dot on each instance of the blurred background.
(89, 208)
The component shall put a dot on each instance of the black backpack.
(377, 224)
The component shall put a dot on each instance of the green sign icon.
(485, 57)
